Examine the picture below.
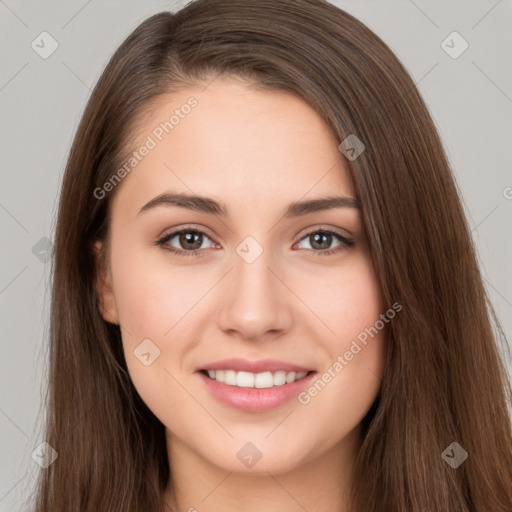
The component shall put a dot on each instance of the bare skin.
(256, 152)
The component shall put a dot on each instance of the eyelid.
(186, 227)
(343, 233)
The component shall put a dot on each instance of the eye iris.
(188, 237)
(325, 244)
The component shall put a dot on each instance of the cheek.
(360, 333)
(355, 349)
(158, 302)
(361, 304)
(153, 296)
(150, 313)
(346, 301)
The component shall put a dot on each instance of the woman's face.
(265, 285)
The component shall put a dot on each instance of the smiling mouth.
(255, 380)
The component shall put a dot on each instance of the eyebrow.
(208, 205)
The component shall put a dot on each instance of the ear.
(103, 285)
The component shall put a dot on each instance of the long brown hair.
(444, 381)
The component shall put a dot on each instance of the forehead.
(237, 143)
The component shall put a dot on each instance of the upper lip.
(246, 365)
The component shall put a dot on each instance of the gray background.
(41, 101)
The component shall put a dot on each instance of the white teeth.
(230, 377)
(263, 380)
(290, 377)
(243, 379)
(279, 378)
(255, 380)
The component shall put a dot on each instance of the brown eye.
(320, 242)
(190, 240)
(187, 242)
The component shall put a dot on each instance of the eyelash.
(345, 242)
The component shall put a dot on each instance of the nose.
(255, 304)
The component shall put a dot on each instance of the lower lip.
(255, 399)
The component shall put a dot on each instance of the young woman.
(265, 292)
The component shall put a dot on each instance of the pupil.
(325, 244)
(188, 238)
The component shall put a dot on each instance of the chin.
(256, 458)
